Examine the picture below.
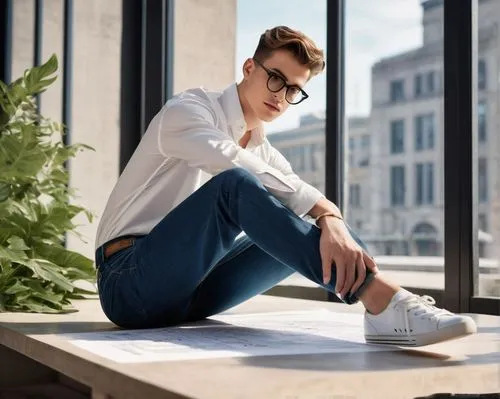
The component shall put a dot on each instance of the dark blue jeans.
(191, 266)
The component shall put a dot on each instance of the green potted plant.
(37, 272)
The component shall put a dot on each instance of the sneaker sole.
(448, 333)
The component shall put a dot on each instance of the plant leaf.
(37, 274)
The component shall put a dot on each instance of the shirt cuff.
(304, 199)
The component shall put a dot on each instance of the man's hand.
(337, 246)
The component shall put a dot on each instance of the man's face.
(265, 104)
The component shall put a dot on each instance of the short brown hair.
(302, 47)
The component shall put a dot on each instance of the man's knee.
(237, 175)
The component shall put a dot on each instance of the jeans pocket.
(115, 283)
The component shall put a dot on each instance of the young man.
(207, 214)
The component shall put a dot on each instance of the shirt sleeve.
(305, 196)
(187, 130)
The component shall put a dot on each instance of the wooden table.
(468, 365)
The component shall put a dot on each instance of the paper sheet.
(258, 334)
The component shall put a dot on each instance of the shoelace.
(420, 305)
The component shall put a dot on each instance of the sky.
(374, 29)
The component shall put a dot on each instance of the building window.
(297, 158)
(307, 158)
(397, 91)
(365, 141)
(425, 240)
(481, 119)
(418, 90)
(424, 184)
(483, 180)
(355, 195)
(314, 161)
(365, 162)
(352, 143)
(425, 84)
(351, 160)
(431, 83)
(302, 158)
(286, 153)
(482, 222)
(424, 132)
(481, 75)
(397, 136)
(398, 188)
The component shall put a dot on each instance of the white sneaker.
(414, 321)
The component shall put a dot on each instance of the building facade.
(304, 147)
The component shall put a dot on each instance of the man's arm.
(336, 243)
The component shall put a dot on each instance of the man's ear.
(248, 67)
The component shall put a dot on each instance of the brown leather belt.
(117, 245)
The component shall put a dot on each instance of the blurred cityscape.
(394, 156)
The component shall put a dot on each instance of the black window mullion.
(460, 55)
(67, 70)
(37, 50)
(334, 132)
(154, 50)
(6, 41)
(146, 68)
(334, 124)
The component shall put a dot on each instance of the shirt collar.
(231, 106)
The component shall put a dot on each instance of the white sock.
(401, 294)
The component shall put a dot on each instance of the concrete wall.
(205, 43)
(96, 108)
(204, 55)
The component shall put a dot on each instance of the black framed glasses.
(275, 83)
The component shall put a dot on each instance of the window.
(424, 132)
(431, 84)
(352, 143)
(397, 136)
(355, 195)
(398, 185)
(364, 159)
(482, 221)
(397, 91)
(363, 163)
(301, 158)
(425, 239)
(289, 154)
(424, 184)
(314, 161)
(296, 158)
(351, 160)
(418, 90)
(425, 84)
(481, 75)
(481, 119)
(483, 180)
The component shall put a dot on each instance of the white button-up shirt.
(194, 137)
